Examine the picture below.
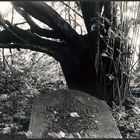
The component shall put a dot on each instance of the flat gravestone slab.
(71, 114)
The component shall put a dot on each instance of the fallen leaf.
(57, 135)
(74, 114)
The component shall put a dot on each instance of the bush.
(20, 81)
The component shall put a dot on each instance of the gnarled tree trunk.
(79, 56)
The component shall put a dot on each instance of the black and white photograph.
(69, 69)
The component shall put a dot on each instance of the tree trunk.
(79, 55)
(80, 74)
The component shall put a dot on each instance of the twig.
(72, 9)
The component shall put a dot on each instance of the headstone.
(71, 114)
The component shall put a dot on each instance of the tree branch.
(43, 12)
(35, 28)
(32, 42)
(72, 9)
(32, 47)
(28, 36)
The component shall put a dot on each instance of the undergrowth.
(127, 117)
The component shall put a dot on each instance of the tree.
(83, 58)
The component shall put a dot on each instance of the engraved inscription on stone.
(60, 118)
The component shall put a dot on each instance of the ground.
(128, 117)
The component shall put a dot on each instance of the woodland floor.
(128, 117)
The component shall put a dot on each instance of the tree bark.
(81, 76)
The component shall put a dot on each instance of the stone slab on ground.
(71, 114)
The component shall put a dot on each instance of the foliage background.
(21, 78)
